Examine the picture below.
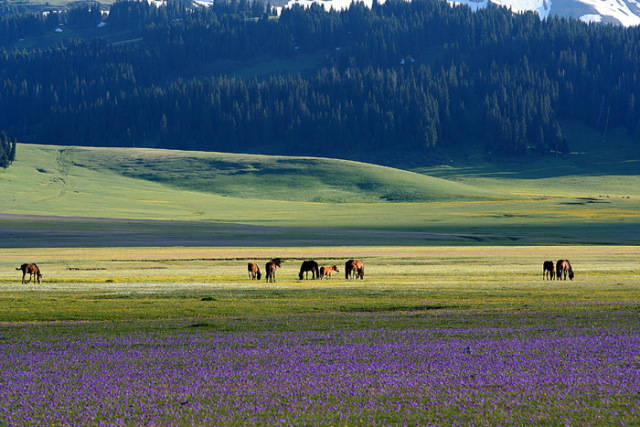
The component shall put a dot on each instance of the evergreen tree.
(7, 150)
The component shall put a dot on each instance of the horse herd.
(353, 269)
(562, 269)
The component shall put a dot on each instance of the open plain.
(146, 314)
(466, 335)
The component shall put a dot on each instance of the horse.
(270, 269)
(32, 269)
(563, 267)
(309, 266)
(547, 267)
(354, 268)
(254, 271)
(326, 271)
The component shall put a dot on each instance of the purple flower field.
(468, 376)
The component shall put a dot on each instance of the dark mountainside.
(404, 82)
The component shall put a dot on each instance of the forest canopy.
(398, 80)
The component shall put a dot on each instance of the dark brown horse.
(563, 267)
(547, 267)
(254, 271)
(354, 268)
(309, 266)
(30, 269)
(270, 269)
(326, 271)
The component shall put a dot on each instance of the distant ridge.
(618, 12)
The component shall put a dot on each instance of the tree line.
(7, 150)
(399, 80)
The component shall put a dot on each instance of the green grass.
(408, 283)
(286, 178)
(229, 199)
(129, 302)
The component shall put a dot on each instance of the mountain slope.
(620, 12)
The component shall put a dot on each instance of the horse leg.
(24, 273)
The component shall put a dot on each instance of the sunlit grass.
(299, 192)
(171, 283)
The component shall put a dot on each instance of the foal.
(326, 271)
(270, 269)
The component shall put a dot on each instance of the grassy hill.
(114, 196)
(271, 177)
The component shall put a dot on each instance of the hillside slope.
(179, 185)
(289, 178)
(66, 196)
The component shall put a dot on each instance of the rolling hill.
(308, 179)
(70, 196)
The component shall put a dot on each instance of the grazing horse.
(354, 268)
(254, 271)
(32, 270)
(309, 266)
(547, 267)
(270, 269)
(326, 271)
(563, 267)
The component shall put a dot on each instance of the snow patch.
(473, 4)
(591, 18)
(330, 4)
(543, 7)
(616, 9)
(157, 3)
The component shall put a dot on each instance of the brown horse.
(563, 267)
(32, 270)
(309, 266)
(254, 271)
(270, 269)
(354, 268)
(326, 271)
(547, 267)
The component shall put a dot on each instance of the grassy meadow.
(440, 335)
(111, 284)
(146, 315)
(152, 197)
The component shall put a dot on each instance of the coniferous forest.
(7, 150)
(399, 80)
